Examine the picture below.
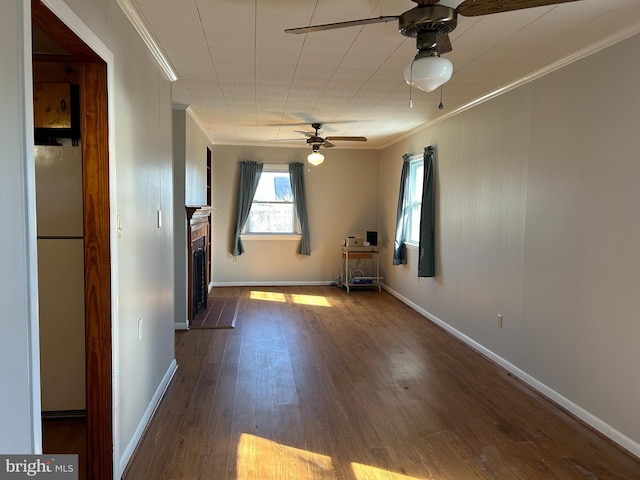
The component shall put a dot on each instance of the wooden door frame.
(97, 241)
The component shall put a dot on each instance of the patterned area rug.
(220, 313)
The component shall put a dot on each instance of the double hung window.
(273, 211)
(414, 207)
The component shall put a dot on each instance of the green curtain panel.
(402, 215)
(296, 173)
(426, 258)
(249, 177)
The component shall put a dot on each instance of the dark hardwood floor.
(315, 383)
(68, 436)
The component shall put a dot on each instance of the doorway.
(96, 250)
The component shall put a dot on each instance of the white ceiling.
(247, 82)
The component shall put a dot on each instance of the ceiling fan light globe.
(428, 73)
(315, 158)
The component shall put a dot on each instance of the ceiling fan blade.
(474, 8)
(444, 44)
(308, 134)
(286, 139)
(331, 26)
(327, 144)
(347, 139)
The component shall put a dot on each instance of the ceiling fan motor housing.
(435, 18)
(315, 140)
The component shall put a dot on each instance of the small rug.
(220, 313)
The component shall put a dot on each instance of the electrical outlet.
(500, 321)
(140, 329)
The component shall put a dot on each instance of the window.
(415, 181)
(272, 211)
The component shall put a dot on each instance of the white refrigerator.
(60, 277)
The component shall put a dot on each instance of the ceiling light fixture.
(315, 158)
(428, 71)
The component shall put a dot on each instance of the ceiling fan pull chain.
(440, 105)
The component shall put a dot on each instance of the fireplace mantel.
(198, 213)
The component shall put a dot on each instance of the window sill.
(266, 236)
(411, 246)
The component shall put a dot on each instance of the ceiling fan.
(430, 24)
(316, 141)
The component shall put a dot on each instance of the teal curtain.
(426, 250)
(296, 173)
(249, 177)
(402, 215)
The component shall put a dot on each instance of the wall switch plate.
(500, 321)
(140, 329)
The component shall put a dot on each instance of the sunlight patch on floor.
(263, 459)
(259, 458)
(268, 296)
(313, 300)
(366, 472)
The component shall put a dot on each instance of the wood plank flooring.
(314, 383)
(67, 436)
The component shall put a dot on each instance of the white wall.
(537, 219)
(179, 119)
(143, 169)
(190, 188)
(342, 199)
(195, 163)
(144, 186)
(141, 163)
(19, 360)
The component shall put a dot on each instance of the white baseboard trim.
(146, 418)
(274, 284)
(181, 325)
(594, 422)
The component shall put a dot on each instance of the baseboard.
(274, 284)
(588, 418)
(61, 414)
(146, 418)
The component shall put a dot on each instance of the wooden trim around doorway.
(97, 269)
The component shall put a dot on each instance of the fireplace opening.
(199, 259)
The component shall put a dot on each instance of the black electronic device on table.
(372, 238)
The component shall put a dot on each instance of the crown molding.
(134, 17)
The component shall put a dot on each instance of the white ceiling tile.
(241, 72)
(178, 15)
(160, 4)
(171, 35)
